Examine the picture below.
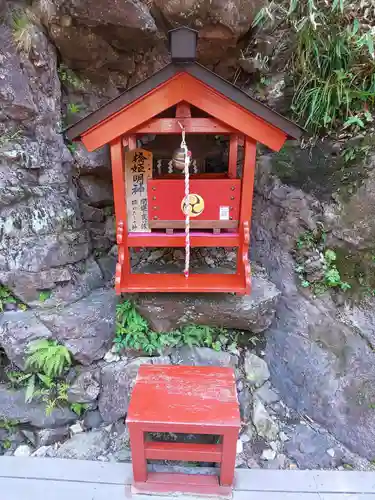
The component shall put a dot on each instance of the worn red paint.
(165, 197)
(221, 192)
(184, 399)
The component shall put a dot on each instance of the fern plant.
(53, 394)
(48, 357)
(39, 385)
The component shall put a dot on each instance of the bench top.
(201, 396)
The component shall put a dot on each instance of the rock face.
(320, 357)
(40, 222)
(117, 381)
(202, 356)
(89, 340)
(312, 450)
(107, 37)
(264, 424)
(17, 330)
(44, 244)
(86, 387)
(84, 446)
(256, 369)
(254, 312)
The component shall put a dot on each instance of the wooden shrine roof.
(202, 74)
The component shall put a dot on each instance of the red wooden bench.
(187, 400)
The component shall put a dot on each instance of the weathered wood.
(248, 175)
(232, 162)
(194, 224)
(118, 179)
(192, 126)
(159, 483)
(177, 283)
(188, 452)
(177, 239)
(218, 207)
(221, 202)
(183, 87)
(185, 398)
(183, 110)
(132, 142)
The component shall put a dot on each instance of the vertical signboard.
(138, 169)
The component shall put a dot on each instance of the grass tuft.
(333, 64)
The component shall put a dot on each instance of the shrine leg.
(137, 442)
(228, 458)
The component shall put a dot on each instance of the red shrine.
(174, 201)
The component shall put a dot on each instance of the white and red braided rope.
(187, 204)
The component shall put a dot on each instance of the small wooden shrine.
(167, 198)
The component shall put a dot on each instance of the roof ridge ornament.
(183, 45)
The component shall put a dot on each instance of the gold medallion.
(195, 206)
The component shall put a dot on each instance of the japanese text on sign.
(138, 169)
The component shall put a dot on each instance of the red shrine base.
(128, 282)
(169, 483)
(154, 283)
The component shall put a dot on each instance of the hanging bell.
(178, 159)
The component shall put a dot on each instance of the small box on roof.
(183, 44)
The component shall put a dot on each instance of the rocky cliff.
(59, 60)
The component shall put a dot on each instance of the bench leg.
(137, 442)
(228, 461)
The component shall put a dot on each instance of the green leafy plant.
(52, 392)
(48, 357)
(29, 381)
(333, 63)
(45, 364)
(198, 335)
(348, 467)
(44, 295)
(6, 444)
(133, 332)
(8, 425)
(330, 277)
(306, 240)
(355, 153)
(6, 297)
(72, 146)
(79, 408)
(73, 108)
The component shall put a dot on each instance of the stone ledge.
(254, 313)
